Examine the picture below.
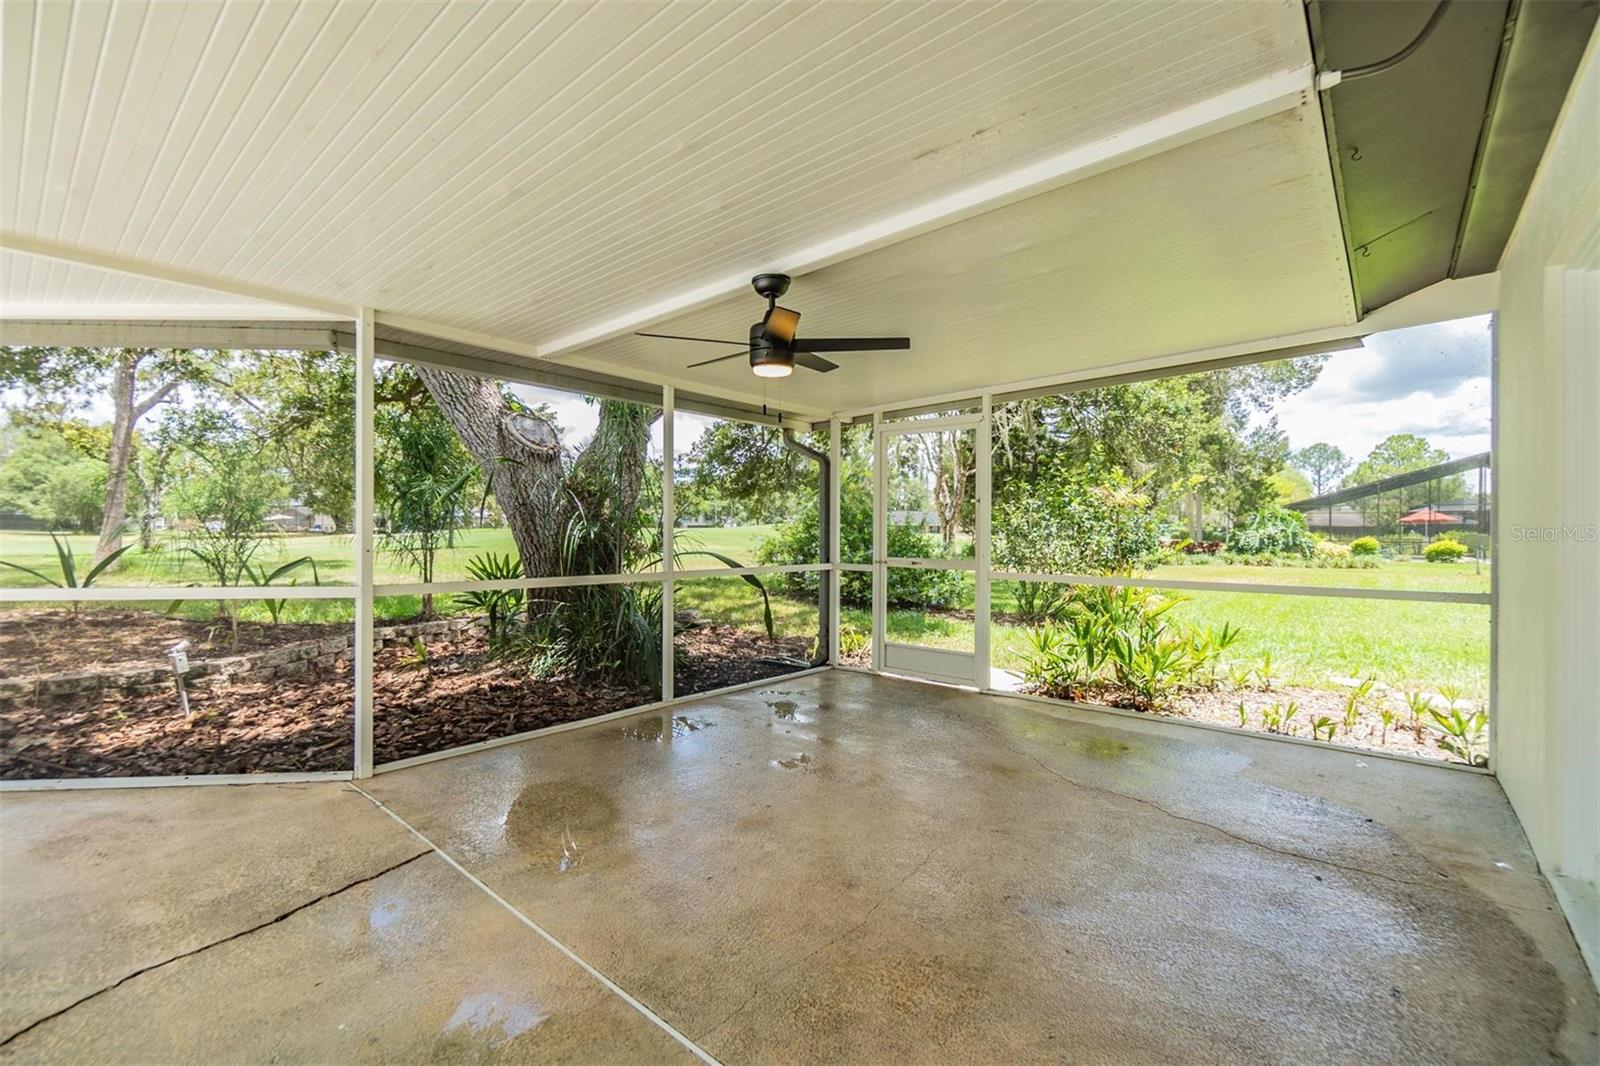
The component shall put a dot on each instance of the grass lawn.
(169, 564)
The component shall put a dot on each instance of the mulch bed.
(715, 656)
(54, 641)
(304, 723)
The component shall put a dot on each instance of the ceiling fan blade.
(702, 340)
(813, 362)
(854, 344)
(718, 359)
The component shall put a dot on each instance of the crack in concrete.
(865, 918)
(207, 947)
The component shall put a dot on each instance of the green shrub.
(1120, 643)
(1331, 549)
(1444, 551)
(1272, 531)
(797, 541)
(1364, 546)
(1064, 523)
(852, 638)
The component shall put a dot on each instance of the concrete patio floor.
(836, 867)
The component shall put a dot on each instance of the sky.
(1429, 380)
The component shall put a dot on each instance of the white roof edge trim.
(1255, 100)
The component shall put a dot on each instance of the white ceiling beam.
(296, 301)
(1236, 107)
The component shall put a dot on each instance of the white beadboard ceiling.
(1229, 239)
(531, 172)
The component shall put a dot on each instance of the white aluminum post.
(364, 546)
(835, 578)
(668, 520)
(880, 543)
(980, 612)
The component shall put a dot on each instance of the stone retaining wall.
(290, 660)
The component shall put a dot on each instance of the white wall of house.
(1548, 485)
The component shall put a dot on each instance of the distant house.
(297, 518)
(928, 520)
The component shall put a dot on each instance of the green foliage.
(1444, 550)
(1067, 523)
(259, 577)
(1364, 546)
(1120, 641)
(853, 640)
(415, 657)
(741, 473)
(1463, 734)
(1272, 531)
(749, 579)
(1401, 453)
(1323, 464)
(227, 490)
(797, 541)
(498, 606)
(1323, 727)
(44, 475)
(423, 477)
(1354, 700)
(606, 633)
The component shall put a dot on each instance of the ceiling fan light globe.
(772, 370)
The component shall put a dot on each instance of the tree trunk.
(124, 379)
(525, 480)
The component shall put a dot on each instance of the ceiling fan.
(773, 348)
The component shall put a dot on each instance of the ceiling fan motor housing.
(766, 359)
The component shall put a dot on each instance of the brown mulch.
(457, 696)
(715, 656)
(54, 641)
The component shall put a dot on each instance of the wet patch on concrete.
(563, 826)
(654, 727)
(1103, 747)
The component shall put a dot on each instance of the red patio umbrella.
(1427, 516)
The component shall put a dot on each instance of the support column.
(980, 535)
(880, 542)
(668, 520)
(834, 556)
(364, 544)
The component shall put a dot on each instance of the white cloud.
(1429, 380)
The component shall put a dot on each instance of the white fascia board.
(1236, 107)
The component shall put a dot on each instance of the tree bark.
(124, 379)
(526, 482)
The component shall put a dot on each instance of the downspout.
(824, 538)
